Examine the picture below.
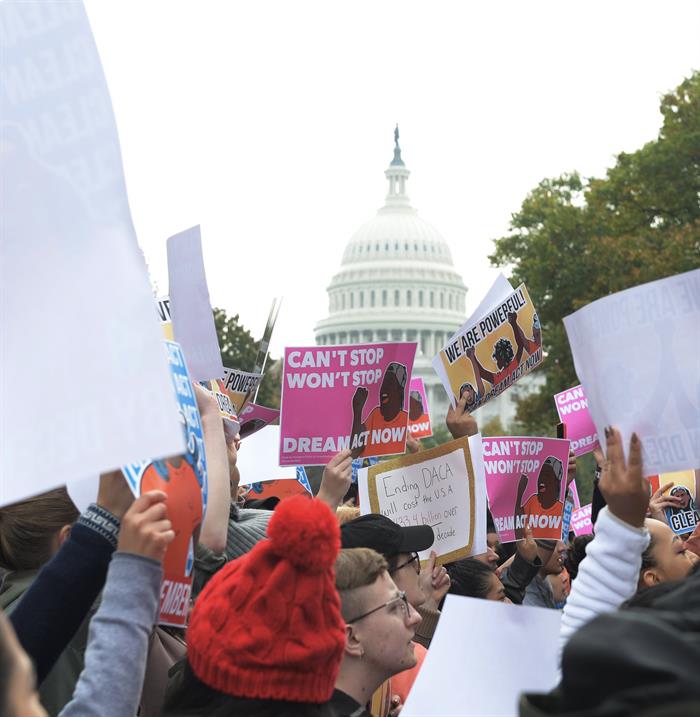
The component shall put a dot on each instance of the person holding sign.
(389, 414)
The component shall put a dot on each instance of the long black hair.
(470, 577)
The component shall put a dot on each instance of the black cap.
(386, 537)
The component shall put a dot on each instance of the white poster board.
(637, 354)
(190, 307)
(79, 333)
(483, 655)
(258, 458)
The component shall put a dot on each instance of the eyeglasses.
(401, 601)
(413, 559)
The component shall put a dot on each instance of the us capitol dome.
(397, 283)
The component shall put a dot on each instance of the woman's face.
(23, 699)
(496, 590)
(671, 560)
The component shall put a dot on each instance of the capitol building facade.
(397, 282)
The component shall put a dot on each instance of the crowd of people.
(314, 609)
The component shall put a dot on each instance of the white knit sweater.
(607, 576)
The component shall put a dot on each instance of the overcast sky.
(270, 123)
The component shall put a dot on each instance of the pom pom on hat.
(305, 533)
(268, 625)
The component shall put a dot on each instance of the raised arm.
(115, 661)
(610, 573)
(54, 607)
(215, 525)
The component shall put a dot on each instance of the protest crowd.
(208, 575)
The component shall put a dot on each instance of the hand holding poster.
(636, 354)
(684, 515)
(418, 410)
(572, 407)
(184, 479)
(434, 487)
(338, 397)
(526, 483)
(487, 356)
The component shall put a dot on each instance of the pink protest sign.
(572, 407)
(254, 417)
(337, 397)
(526, 484)
(581, 521)
(418, 410)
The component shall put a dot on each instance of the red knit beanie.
(268, 625)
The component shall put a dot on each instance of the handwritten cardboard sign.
(581, 520)
(419, 410)
(526, 483)
(572, 407)
(636, 354)
(184, 479)
(489, 355)
(434, 487)
(338, 397)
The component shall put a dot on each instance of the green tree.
(239, 350)
(575, 240)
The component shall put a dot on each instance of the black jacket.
(643, 661)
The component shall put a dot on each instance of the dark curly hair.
(503, 349)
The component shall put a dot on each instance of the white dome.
(397, 283)
(397, 233)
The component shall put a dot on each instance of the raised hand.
(659, 502)
(460, 423)
(434, 582)
(625, 489)
(337, 477)
(145, 529)
(527, 548)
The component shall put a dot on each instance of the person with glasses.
(380, 624)
(424, 588)
(400, 547)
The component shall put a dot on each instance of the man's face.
(386, 635)
(684, 496)
(552, 559)
(406, 579)
(390, 396)
(547, 486)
